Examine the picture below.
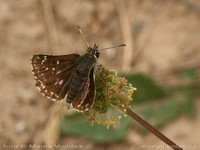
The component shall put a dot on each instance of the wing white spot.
(52, 93)
(61, 81)
(56, 83)
(42, 85)
(86, 105)
(58, 72)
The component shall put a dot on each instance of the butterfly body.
(69, 77)
(80, 75)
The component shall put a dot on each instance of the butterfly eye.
(97, 54)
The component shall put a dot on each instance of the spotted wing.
(85, 100)
(52, 74)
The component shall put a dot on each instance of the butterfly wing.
(52, 74)
(85, 99)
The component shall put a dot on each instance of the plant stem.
(152, 129)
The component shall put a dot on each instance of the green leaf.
(76, 125)
(147, 89)
(190, 74)
(162, 113)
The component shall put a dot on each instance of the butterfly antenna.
(81, 32)
(120, 45)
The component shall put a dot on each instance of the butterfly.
(70, 77)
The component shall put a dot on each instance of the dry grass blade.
(50, 24)
(126, 31)
(51, 132)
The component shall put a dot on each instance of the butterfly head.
(94, 51)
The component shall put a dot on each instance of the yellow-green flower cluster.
(113, 96)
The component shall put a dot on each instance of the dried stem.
(153, 130)
(50, 24)
(127, 34)
(51, 132)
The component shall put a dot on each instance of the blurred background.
(161, 59)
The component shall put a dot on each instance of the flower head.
(113, 96)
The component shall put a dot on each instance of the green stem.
(152, 129)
